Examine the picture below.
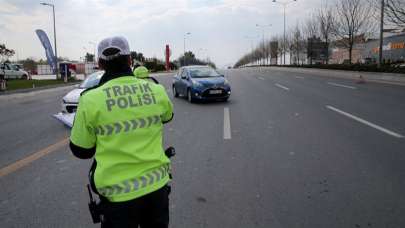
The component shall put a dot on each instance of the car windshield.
(14, 67)
(91, 80)
(203, 72)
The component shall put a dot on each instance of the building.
(393, 49)
(339, 55)
(367, 51)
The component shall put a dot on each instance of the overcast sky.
(218, 27)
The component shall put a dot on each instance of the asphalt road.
(296, 150)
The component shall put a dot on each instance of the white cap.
(115, 42)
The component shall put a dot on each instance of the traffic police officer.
(120, 122)
(142, 72)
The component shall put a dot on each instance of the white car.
(71, 100)
(11, 71)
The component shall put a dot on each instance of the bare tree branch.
(395, 11)
(354, 18)
(326, 22)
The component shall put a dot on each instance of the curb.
(376, 77)
(3, 93)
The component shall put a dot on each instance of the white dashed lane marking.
(282, 87)
(227, 124)
(341, 85)
(358, 119)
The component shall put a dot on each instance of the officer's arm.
(168, 108)
(81, 152)
(82, 138)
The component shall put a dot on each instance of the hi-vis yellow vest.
(124, 119)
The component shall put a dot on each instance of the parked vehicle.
(11, 71)
(71, 100)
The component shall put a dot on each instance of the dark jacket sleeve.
(81, 152)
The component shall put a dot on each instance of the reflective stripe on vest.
(135, 184)
(127, 125)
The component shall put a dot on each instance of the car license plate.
(215, 91)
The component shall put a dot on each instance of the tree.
(311, 31)
(395, 11)
(354, 18)
(29, 64)
(326, 21)
(137, 56)
(274, 48)
(187, 59)
(63, 59)
(89, 57)
(5, 53)
(297, 44)
(280, 47)
(211, 64)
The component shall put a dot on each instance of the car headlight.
(197, 84)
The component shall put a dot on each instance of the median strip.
(31, 158)
(358, 119)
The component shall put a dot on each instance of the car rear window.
(203, 72)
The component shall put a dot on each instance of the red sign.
(167, 53)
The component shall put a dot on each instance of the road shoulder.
(378, 77)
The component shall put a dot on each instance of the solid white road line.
(340, 85)
(281, 86)
(227, 124)
(375, 126)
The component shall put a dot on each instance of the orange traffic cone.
(360, 80)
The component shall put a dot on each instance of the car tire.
(189, 96)
(24, 77)
(175, 93)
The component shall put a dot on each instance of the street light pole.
(285, 40)
(380, 53)
(54, 36)
(184, 54)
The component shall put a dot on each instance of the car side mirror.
(222, 75)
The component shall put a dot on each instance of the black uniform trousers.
(149, 211)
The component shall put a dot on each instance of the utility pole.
(380, 53)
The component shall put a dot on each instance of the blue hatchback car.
(201, 83)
